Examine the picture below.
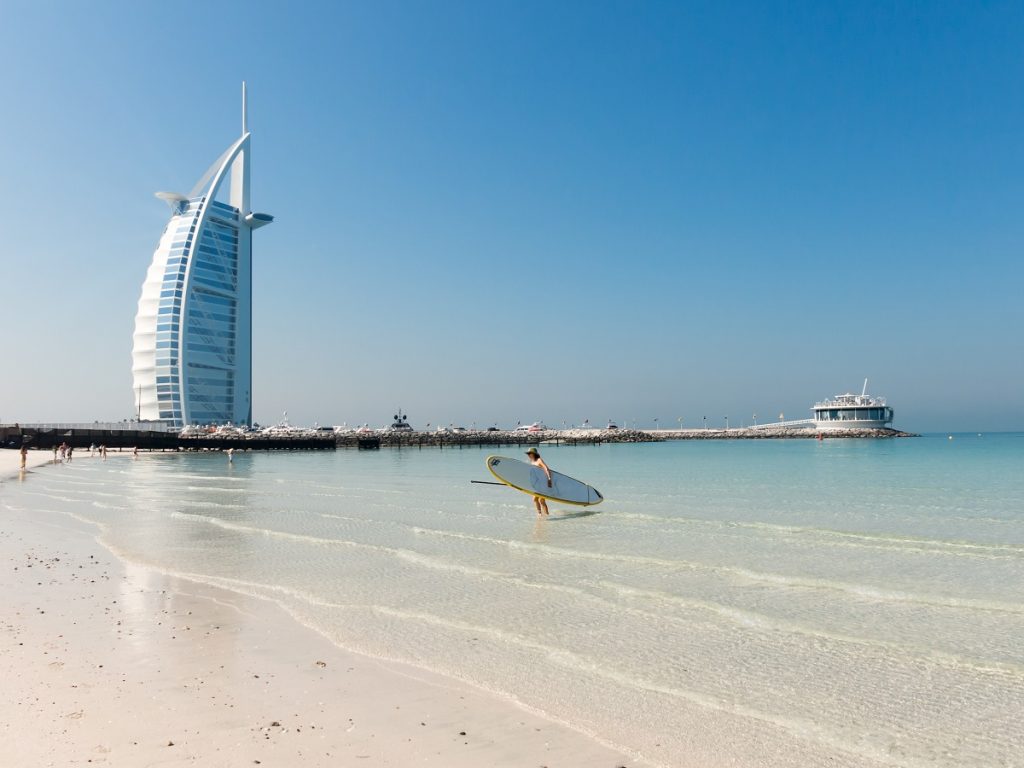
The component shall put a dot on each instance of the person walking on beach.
(71, 448)
(55, 448)
(24, 454)
(231, 455)
(540, 479)
(103, 451)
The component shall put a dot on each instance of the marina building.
(852, 411)
(192, 346)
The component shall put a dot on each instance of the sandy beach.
(108, 662)
(10, 461)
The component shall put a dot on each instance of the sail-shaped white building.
(192, 352)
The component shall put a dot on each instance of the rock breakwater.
(409, 439)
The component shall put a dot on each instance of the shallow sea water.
(749, 603)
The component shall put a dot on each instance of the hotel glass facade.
(192, 353)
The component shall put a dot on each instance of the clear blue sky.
(519, 210)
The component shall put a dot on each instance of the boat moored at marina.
(400, 423)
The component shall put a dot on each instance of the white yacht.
(284, 428)
(400, 423)
(852, 411)
(535, 427)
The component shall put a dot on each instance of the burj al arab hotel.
(192, 353)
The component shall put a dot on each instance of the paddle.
(487, 482)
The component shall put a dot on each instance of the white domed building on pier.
(852, 411)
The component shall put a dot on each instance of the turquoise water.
(755, 603)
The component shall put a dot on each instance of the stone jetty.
(302, 440)
(410, 439)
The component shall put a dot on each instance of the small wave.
(240, 528)
(362, 520)
(106, 495)
(859, 590)
(502, 505)
(440, 564)
(873, 540)
(216, 488)
(102, 505)
(218, 478)
(52, 496)
(259, 589)
(386, 491)
(81, 518)
(997, 520)
(765, 622)
(407, 555)
(204, 504)
(421, 531)
(877, 593)
(344, 517)
(77, 481)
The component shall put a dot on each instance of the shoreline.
(110, 661)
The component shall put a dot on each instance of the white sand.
(104, 662)
(10, 461)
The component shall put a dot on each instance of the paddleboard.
(532, 480)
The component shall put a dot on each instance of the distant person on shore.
(55, 449)
(92, 450)
(540, 478)
(231, 455)
(135, 452)
(24, 454)
(103, 452)
(63, 451)
(71, 448)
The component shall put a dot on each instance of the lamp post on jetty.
(680, 420)
(726, 423)
(705, 423)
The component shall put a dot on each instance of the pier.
(497, 439)
(46, 438)
(156, 440)
(411, 439)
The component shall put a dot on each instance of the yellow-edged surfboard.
(532, 480)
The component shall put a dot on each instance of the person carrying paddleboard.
(540, 477)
